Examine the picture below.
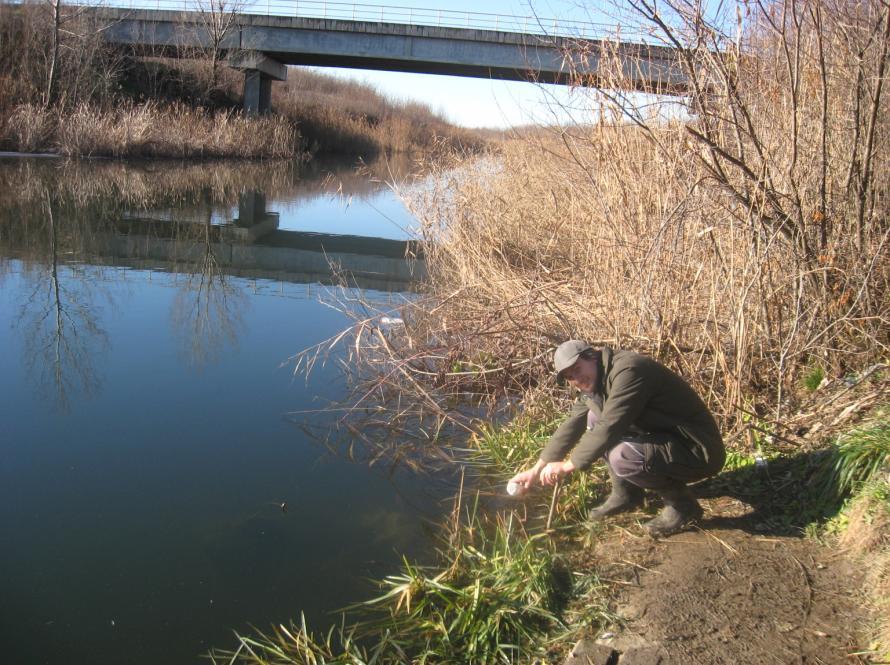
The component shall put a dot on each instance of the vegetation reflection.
(67, 223)
(207, 310)
(58, 319)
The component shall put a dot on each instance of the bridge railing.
(446, 18)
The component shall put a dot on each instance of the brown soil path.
(720, 594)
(726, 596)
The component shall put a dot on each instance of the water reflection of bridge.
(253, 246)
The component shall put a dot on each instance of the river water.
(162, 480)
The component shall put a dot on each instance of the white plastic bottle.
(515, 489)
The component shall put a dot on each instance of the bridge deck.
(402, 47)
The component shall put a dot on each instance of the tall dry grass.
(95, 108)
(177, 131)
(741, 242)
(151, 130)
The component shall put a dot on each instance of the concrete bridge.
(262, 45)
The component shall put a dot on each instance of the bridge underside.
(261, 46)
(411, 67)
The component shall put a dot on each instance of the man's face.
(581, 375)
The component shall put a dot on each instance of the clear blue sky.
(476, 102)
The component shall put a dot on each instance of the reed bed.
(351, 117)
(150, 130)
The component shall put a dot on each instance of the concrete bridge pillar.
(259, 72)
(257, 93)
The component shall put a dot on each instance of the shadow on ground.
(782, 497)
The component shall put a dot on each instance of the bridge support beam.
(257, 93)
(259, 72)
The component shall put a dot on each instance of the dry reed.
(178, 131)
(30, 127)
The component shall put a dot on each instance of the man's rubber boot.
(625, 496)
(680, 508)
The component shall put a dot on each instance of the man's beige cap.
(567, 353)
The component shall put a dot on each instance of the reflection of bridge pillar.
(253, 221)
(251, 208)
(259, 72)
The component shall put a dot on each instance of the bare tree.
(218, 19)
(59, 16)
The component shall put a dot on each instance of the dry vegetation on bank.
(151, 130)
(97, 100)
(745, 244)
(349, 117)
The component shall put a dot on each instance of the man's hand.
(555, 471)
(525, 479)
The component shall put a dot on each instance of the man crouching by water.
(649, 425)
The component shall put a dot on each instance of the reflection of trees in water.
(113, 187)
(58, 320)
(57, 210)
(207, 310)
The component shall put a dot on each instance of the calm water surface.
(151, 435)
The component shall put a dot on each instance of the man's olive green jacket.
(636, 395)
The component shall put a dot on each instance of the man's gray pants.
(655, 460)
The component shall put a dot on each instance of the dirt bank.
(725, 596)
(730, 592)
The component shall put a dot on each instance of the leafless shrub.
(217, 19)
(53, 55)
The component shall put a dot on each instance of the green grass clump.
(859, 457)
(813, 377)
(501, 451)
(506, 449)
(856, 468)
(294, 645)
(736, 460)
(499, 598)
